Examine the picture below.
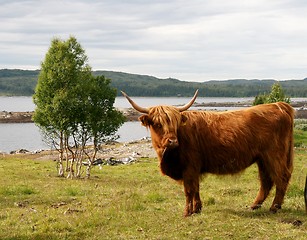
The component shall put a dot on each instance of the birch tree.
(102, 120)
(73, 108)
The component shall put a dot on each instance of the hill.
(23, 82)
(18, 82)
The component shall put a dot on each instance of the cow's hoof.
(255, 206)
(187, 214)
(275, 208)
(197, 211)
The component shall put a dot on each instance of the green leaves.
(276, 95)
(74, 108)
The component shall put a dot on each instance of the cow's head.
(163, 122)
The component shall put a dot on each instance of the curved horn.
(134, 105)
(189, 104)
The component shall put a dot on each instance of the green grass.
(137, 202)
(300, 138)
(300, 133)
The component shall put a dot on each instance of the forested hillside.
(23, 82)
(18, 82)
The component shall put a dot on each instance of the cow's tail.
(291, 150)
(291, 140)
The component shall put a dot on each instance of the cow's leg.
(191, 189)
(281, 188)
(266, 184)
(188, 202)
(197, 202)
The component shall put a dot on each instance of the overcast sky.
(195, 40)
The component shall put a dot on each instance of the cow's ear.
(145, 120)
(183, 119)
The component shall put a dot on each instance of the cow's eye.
(157, 125)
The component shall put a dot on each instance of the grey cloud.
(190, 40)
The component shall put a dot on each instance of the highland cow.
(192, 143)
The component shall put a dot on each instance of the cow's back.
(229, 142)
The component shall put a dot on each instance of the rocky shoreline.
(132, 115)
(15, 117)
(301, 109)
(113, 153)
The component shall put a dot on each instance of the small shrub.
(276, 95)
(260, 99)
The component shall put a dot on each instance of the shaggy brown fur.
(192, 143)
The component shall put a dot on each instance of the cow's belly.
(226, 166)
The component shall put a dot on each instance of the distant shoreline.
(16, 117)
(132, 115)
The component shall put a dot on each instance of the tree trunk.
(71, 164)
(79, 161)
(60, 160)
(91, 159)
(66, 153)
(88, 170)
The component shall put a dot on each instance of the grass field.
(137, 202)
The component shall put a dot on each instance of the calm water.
(24, 104)
(15, 136)
(16, 104)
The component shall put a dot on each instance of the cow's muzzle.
(171, 143)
